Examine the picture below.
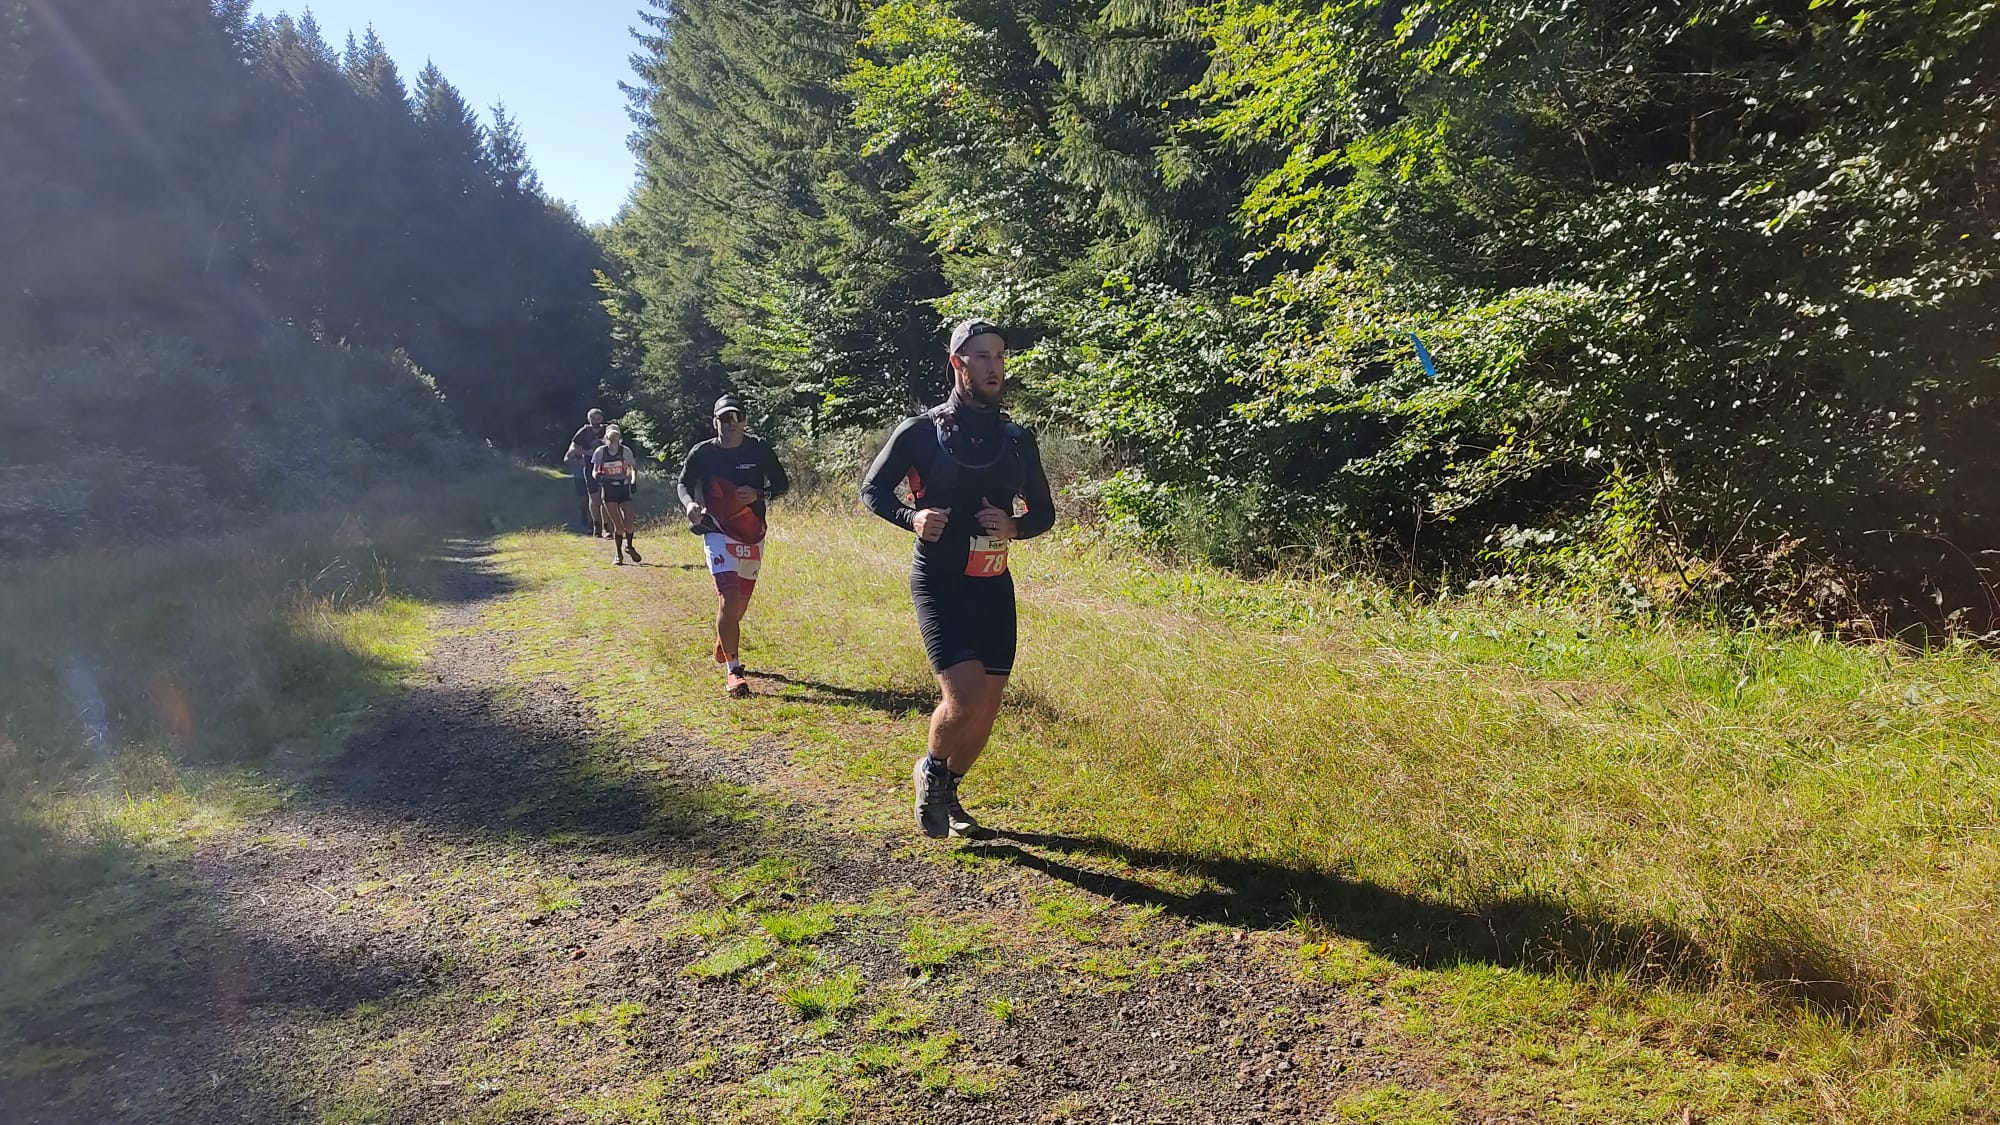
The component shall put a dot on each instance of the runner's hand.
(696, 513)
(930, 523)
(996, 521)
(746, 495)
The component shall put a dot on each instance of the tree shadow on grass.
(190, 1006)
(187, 1004)
(460, 571)
(141, 1001)
(467, 761)
(1525, 932)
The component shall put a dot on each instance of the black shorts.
(615, 493)
(581, 477)
(964, 618)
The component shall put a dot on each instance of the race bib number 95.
(726, 555)
(988, 558)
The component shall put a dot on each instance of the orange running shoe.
(736, 685)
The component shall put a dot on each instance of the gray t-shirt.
(614, 468)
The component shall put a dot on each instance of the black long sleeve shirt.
(915, 454)
(710, 475)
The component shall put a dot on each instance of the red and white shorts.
(733, 563)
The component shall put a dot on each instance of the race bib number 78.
(988, 557)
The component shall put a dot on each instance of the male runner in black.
(725, 484)
(577, 457)
(966, 464)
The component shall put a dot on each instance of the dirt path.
(489, 912)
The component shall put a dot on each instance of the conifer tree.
(507, 157)
(231, 173)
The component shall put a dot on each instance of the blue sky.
(557, 65)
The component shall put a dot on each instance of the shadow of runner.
(1524, 932)
(889, 701)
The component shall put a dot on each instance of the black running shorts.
(965, 618)
(616, 492)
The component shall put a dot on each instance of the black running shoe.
(633, 551)
(933, 800)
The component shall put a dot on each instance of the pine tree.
(507, 157)
(454, 140)
(372, 72)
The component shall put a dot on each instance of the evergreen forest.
(242, 269)
(1691, 304)
(1688, 305)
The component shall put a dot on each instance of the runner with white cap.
(966, 466)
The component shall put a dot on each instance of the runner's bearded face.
(981, 368)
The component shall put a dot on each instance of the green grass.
(800, 927)
(772, 877)
(801, 1092)
(932, 944)
(735, 958)
(645, 1104)
(832, 996)
(900, 1015)
(1069, 913)
(1393, 1105)
(1683, 827)
(717, 921)
(555, 895)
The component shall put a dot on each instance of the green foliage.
(1708, 285)
(1722, 248)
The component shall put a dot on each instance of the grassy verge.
(152, 694)
(1626, 871)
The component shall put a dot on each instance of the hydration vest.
(938, 481)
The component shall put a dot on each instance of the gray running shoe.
(933, 803)
(961, 822)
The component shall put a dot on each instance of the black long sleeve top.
(711, 473)
(962, 461)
